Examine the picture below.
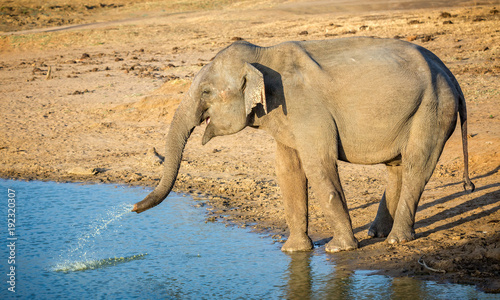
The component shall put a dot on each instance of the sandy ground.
(88, 89)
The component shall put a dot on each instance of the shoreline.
(374, 254)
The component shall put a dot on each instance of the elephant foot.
(380, 229)
(401, 236)
(338, 244)
(297, 243)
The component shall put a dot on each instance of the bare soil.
(88, 89)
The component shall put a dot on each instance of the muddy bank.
(89, 105)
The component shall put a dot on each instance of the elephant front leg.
(317, 145)
(335, 210)
(326, 185)
(293, 184)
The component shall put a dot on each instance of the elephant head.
(223, 95)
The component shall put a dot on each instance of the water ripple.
(95, 264)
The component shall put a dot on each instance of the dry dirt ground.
(88, 88)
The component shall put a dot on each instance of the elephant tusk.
(207, 120)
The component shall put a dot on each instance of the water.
(82, 242)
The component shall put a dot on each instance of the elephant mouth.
(205, 118)
(209, 130)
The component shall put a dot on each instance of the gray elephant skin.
(358, 100)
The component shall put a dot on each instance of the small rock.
(135, 177)
(478, 253)
(211, 219)
(305, 32)
(84, 171)
(80, 92)
(492, 286)
(427, 38)
(411, 38)
(85, 56)
(493, 253)
(445, 15)
(349, 32)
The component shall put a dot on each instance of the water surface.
(82, 241)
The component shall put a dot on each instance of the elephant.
(362, 100)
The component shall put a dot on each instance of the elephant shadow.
(475, 203)
(488, 199)
(463, 208)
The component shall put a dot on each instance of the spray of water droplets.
(83, 254)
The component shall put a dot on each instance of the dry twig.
(49, 74)
(422, 263)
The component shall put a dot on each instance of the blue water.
(82, 242)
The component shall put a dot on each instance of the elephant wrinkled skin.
(359, 100)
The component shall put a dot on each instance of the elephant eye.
(205, 92)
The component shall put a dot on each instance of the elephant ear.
(254, 89)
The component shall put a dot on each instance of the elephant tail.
(462, 112)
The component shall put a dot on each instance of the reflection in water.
(340, 284)
(300, 276)
(305, 283)
(309, 279)
(404, 288)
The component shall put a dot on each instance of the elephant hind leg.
(293, 184)
(413, 184)
(418, 163)
(382, 225)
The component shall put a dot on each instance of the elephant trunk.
(185, 120)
